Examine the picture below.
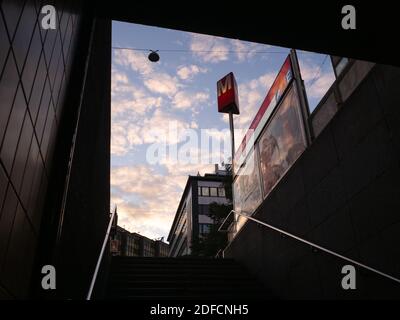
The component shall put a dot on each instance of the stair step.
(184, 285)
(180, 278)
(177, 277)
(175, 287)
(186, 297)
(183, 291)
(201, 259)
(174, 264)
(188, 281)
(178, 270)
(171, 261)
(179, 273)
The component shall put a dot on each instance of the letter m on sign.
(228, 95)
(224, 84)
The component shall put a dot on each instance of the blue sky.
(179, 91)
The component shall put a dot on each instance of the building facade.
(131, 244)
(191, 220)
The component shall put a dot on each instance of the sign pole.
(228, 102)
(233, 156)
(232, 169)
(232, 137)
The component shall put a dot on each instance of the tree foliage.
(211, 243)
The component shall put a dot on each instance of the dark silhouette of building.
(161, 249)
(131, 244)
(191, 219)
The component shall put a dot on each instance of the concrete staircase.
(181, 279)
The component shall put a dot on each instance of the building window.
(221, 192)
(204, 209)
(205, 191)
(204, 228)
(339, 64)
(149, 249)
(213, 192)
(136, 249)
(199, 188)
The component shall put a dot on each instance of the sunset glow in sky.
(181, 89)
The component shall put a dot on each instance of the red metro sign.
(227, 92)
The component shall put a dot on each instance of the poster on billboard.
(272, 99)
(282, 141)
(247, 188)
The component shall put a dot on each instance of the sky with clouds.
(178, 94)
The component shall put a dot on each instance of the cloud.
(135, 179)
(185, 100)
(139, 105)
(209, 49)
(120, 84)
(182, 100)
(135, 60)
(130, 129)
(245, 50)
(134, 135)
(162, 127)
(265, 82)
(318, 89)
(183, 170)
(194, 125)
(188, 72)
(147, 200)
(162, 83)
(129, 98)
(199, 149)
(119, 143)
(317, 79)
(118, 78)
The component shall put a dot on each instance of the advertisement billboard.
(275, 140)
(272, 99)
(247, 188)
(282, 141)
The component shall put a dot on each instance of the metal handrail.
(312, 245)
(96, 270)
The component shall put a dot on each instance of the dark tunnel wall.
(88, 205)
(41, 81)
(35, 67)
